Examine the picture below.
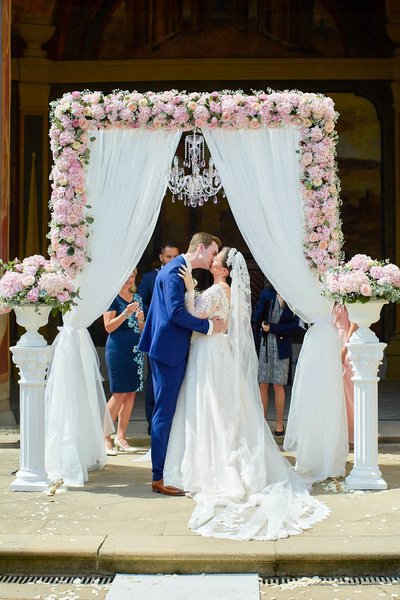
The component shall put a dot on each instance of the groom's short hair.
(203, 238)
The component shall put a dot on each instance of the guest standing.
(168, 251)
(124, 322)
(274, 324)
(346, 329)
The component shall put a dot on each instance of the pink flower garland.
(76, 114)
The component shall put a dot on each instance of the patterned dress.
(271, 368)
(124, 359)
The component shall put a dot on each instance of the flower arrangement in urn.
(362, 279)
(36, 281)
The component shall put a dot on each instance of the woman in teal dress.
(124, 322)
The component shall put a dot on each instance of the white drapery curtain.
(126, 182)
(260, 174)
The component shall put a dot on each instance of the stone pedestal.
(32, 363)
(365, 353)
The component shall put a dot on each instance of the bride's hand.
(187, 278)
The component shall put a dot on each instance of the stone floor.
(114, 524)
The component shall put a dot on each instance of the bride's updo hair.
(224, 261)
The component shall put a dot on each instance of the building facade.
(349, 51)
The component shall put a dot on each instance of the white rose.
(28, 280)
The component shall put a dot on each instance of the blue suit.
(166, 339)
(145, 290)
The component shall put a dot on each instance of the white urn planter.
(365, 353)
(32, 317)
(365, 314)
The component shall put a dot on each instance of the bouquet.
(362, 279)
(36, 281)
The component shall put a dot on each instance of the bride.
(220, 448)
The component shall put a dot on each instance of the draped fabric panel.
(260, 174)
(126, 182)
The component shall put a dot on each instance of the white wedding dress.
(221, 450)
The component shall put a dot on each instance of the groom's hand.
(218, 325)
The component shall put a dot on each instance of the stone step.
(117, 553)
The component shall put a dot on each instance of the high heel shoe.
(120, 445)
(111, 451)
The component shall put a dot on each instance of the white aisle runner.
(185, 587)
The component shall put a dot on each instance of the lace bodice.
(213, 302)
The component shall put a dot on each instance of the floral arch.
(275, 153)
(77, 115)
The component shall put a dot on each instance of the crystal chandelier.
(196, 188)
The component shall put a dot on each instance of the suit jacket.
(288, 323)
(146, 287)
(168, 328)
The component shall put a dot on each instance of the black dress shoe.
(280, 433)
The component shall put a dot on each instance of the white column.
(365, 358)
(32, 363)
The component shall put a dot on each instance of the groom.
(166, 339)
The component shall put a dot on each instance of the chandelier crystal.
(196, 188)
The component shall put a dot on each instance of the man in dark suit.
(168, 252)
(166, 339)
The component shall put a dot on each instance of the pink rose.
(307, 158)
(365, 289)
(83, 124)
(254, 124)
(329, 126)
